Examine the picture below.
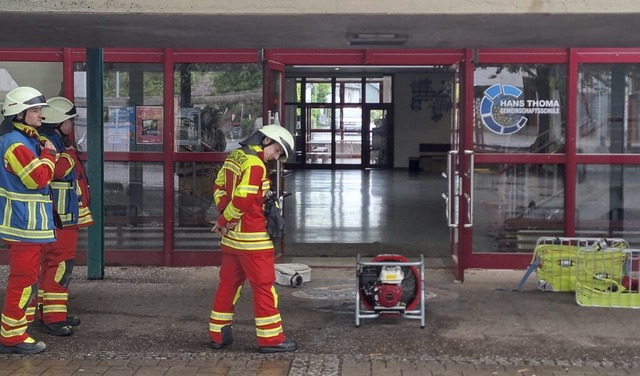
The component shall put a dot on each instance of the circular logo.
(495, 108)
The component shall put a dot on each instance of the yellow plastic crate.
(555, 260)
(608, 278)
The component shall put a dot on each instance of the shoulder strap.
(248, 150)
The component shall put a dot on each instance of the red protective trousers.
(24, 265)
(58, 259)
(258, 268)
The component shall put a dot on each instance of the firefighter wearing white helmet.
(22, 98)
(239, 193)
(59, 110)
(72, 205)
(26, 210)
(282, 137)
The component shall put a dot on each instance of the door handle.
(453, 183)
(469, 196)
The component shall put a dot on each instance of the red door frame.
(491, 260)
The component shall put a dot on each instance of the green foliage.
(152, 84)
(248, 78)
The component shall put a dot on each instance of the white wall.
(412, 128)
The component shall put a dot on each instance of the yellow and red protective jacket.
(70, 185)
(26, 210)
(238, 192)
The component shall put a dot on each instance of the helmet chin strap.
(269, 144)
(59, 128)
(23, 120)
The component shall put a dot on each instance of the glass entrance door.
(342, 121)
(377, 128)
(459, 174)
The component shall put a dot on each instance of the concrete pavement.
(153, 321)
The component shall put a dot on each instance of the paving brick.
(172, 362)
(213, 370)
(274, 367)
(90, 370)
(30, 370)
(455, 370)
(55, 362)
(115, 362)
(81, 363)
(120, 371)
(181, 371)
(518, 370)
(59, 371)
(145, 363)
(151, 371)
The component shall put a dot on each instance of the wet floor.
(344, 212)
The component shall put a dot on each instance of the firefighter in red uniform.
(247, 251)
(26, 211)
(71, 198)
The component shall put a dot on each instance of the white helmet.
(59, 110)
(22, 98)
(280, 135)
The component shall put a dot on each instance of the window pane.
(608, 105)
(372, 92)
(318, 92)
(193, 197)
(606, 201)
(348, 91)
(133, 210)
(515, 204)
(216, 105)
(520, 108)
(133, 112)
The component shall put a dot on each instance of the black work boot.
(60, 329)
(227, 338)
(71, 321)
(286, 345)
(28, 347)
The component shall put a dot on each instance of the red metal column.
(168, 159)
(570, 146)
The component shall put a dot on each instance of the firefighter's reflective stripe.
(246, 246)
(26, 197)
(60, 272)
(261, 321)
(35, 164)
(269, 333)
(30, 311)
(218, 320)
(12, 322)
(54, 308)
(12, 327)
(61, 196)
(55, 296)
(222, 316)
(232, 213)
(84, 216)
(69, 160)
